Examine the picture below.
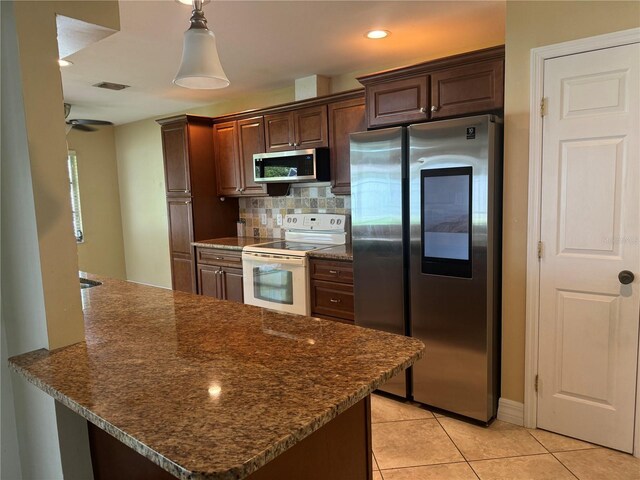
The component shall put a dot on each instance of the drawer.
(217, 256)
(332, 271)
(332, 299)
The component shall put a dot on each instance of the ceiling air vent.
(111, 86)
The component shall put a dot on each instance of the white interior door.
(588, 326)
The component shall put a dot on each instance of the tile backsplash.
(317, 199)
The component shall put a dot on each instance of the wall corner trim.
(511, 411)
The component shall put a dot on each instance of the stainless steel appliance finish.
(439, 269)
(308, 165)
(376, 235)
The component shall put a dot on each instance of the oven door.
(278, 282)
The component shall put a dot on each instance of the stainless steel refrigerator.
(426, 235)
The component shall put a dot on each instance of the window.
(72, 162)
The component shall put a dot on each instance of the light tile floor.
(411, 443)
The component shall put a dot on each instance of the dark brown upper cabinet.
(399, 101)
(176, 166)
(297, 129)
(194, 211)
(464, 84)
(235, 142)
(474, 88)
(345, 117)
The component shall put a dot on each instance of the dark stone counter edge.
(238, 472)
(314, 254)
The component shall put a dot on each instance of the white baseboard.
(510, 411)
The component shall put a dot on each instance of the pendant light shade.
(200, 67)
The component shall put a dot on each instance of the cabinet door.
(225, 148)
(311, 127)
(344, 118)
(278, 131)
(332, 299)
(474, 88)
(232, 284)
(251, 140)
(180, 225)
(182, 273)
(209, 283)
(176, 158)
(399, 101)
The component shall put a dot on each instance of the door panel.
(399, 101)
(225, 147)
(232, 284)
(590, 218)
(311, 127)
(251, 140)
(344, 118)
(183, 274)
(209, 281)
(180, 225)
(176, 160)
(278, 132)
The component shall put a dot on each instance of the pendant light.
(200, 67)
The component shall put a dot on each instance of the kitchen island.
(203, 388)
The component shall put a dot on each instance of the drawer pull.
(333, 272)
(334, 300)
(218, 258)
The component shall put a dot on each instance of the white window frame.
(74, 193)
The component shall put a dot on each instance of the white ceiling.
(264, 45)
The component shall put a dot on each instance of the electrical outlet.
(279, 219)
(263, 218)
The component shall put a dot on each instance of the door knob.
(626, 277)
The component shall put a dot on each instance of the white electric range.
(276, 274)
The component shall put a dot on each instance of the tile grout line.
(568, 469)
(510, 456)
(424, 465)
(402, 420)
(535, 438)
(451, 439)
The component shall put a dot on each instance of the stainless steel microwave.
(311, 165)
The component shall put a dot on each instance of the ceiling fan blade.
(83, 128)
(87, 121)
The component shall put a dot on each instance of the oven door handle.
(257, 257)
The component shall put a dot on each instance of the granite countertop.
(231, 243)
(339, 252)
(207, 388)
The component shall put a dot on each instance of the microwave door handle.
(272, 258)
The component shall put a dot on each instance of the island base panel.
(113, 460)
(340, 450)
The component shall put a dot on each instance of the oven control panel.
(316, 221)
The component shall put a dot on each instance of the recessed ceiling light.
(64, 63)
(376, 34)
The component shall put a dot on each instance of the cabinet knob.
(333, 272)
(434, 108)
(187, 202)
(186, 191)
(218, 258)
(242, 189)
(334, 300)
(423, 110)
(290, 144)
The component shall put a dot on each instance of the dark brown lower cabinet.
(220, 274)
(332, 290)
(183, 273)
(339, 450)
